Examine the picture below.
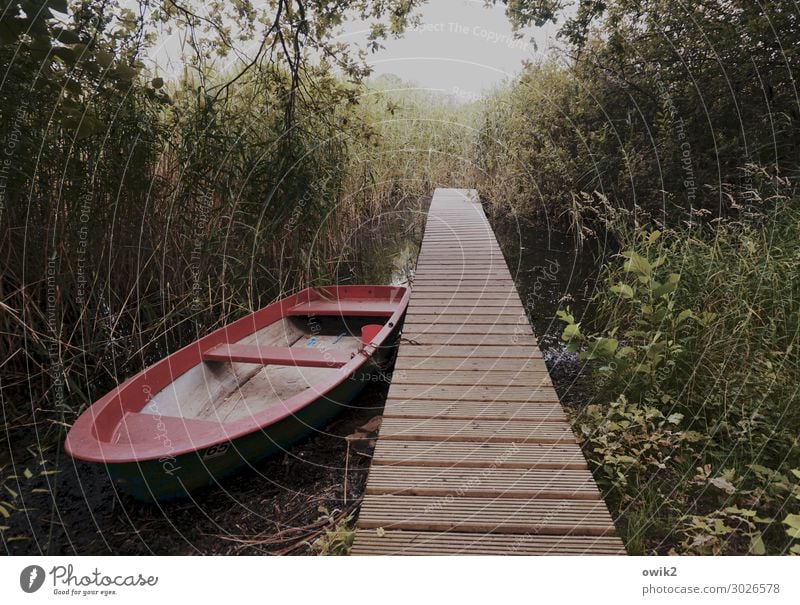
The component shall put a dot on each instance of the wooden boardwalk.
(475, 455)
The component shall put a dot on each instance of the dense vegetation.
(673, 130)
(138, 211)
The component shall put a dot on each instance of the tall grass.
(694, 433)
(122, 246)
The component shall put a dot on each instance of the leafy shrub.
(696, 374)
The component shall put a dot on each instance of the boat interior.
(267, 367)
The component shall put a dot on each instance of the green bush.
(695, 379)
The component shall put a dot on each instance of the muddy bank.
(272, 508)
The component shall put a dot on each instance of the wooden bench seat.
(344, 308)
(284, 356)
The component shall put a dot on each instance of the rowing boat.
(243, 392)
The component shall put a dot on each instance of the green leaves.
(639, 265)
(792, 522)
(624, 290)
(668, 287)
(602, 348)
(571, 332)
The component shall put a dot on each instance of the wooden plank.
(498, 378)
(472, 410)
(474, 310)
(463, 319)
(470, 339)
(462, 305)
(498, 515)
(456, 246)
(482, 431)
(461, 257)
(466, 328)
(474, 393)
(468, 280)
(408, 543)
(464, 454)
(469, 292)
(483, 483)
(465, 352)
(486, 303)
(465, 275)
(482, 364)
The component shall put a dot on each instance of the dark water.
(384, 248)
(552, 271)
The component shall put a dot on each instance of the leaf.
(571, 331)
(757, 545)
(795, 550)
(66, 54)
(723, 484)
(760, 470)
(28, 474)
(668, 286)
(675, 418)
(624, 290)
(104, 58)
(80, 50)
(626, 352)
(796, 472)
(683, 316)
(4, 512)
(10, 30)
(603, 347)
(123, 72)
(792, 521)
(60, 6)
(565, 316)
(638, 264)
(66, 36)
(742, 512)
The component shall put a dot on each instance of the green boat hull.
(170, 478)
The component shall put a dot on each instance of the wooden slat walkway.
(475, 455)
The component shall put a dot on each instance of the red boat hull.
(153, 455)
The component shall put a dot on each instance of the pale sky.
(461, 48)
